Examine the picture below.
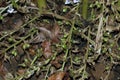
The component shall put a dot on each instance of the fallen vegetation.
(59, 40)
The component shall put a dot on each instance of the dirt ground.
(54, 40)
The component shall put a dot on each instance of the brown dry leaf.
(46, 46)
(42, 36)
(38, 39)
(12, 22)
(112, 28)
(55, 33)
(59, 76)
(56, 63)
(47, 33)
(112, 25)
(21, 71)
(32, 52)
(3, 3)
(3, 70)
(99, 71)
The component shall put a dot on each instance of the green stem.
(85, 9)
(18, 42)
(69, 42)
(19, 28)
(86, 57)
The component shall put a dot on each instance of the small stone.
(10, 10)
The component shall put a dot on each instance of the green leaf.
(119, 48)
(10, 39)
(14, 3)
(26, 45)
(64, 46)
(14, 52)
(41, 5)
(1, 17)
(64, 10)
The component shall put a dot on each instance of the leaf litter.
(53, 41)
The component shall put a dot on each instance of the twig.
(86, 56)
(86, 37)
(56, 16)
(68, 41)
(99, 36)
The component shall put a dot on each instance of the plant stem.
(18, 42)
(18, 29)
(69, 43)
(85, 8)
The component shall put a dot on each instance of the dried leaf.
(32, 51)
(47, 52)
(99, 68)
(46, 32)
(42, 36)
(38, 39)
(21, 71)
(12, 22)
(3, 3)
(112, 25)
(56, 64)
(59, 76)
(55, 33)
(112, 28)
(4, 73)
(3, 70)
